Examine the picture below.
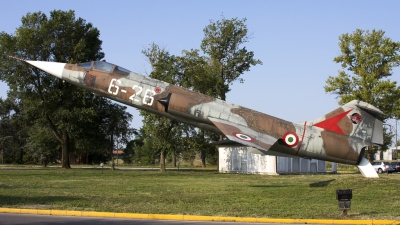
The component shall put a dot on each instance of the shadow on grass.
(6, 186)
(321, 183)
(25, 168)
(269, 186)
(14, 201)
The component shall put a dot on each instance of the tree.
(116, 126)
(223, 63)
(163, 134)
(49, 101)
(227, 58)
(367, 59)
(14, 130)
(131, 147)
(166, 68)
(6, 129)
(42, 147)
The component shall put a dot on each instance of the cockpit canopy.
(105, 66)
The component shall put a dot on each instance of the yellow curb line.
(190, 217)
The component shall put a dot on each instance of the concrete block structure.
(241, 160)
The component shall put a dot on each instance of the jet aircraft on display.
(341, 135)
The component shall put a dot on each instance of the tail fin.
(374, 118)
(359, 120)
(360, 125)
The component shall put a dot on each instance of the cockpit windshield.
(103, 66)
(121, 71)
(86, 65)
(106, 67)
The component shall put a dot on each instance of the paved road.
(22, 219)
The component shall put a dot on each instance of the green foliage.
(47, 100)
(45, 148)
(13, 130)
(228, 60)
(132, 149)
(369, 58)
(147, 154)
(79, 121)
(163, 135)
(224, 61)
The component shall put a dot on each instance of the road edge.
(189, 217)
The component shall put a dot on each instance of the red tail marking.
(331, 124)
(302, 138)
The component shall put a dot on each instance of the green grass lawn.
(200, 192)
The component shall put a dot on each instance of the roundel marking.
(355, 118)
(243, 137)
(291, 139)
(157, 90)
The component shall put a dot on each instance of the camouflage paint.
(338, 136)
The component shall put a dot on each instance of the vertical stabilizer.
(346, 131)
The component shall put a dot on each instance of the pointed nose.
(53, 68)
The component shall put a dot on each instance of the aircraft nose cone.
(53, 68)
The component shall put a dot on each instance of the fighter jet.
(341, 135)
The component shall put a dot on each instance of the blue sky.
(295, 40)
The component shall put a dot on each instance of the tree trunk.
(370, 157)
(65, 150)
(203, 155)
(162, 161)
(21, 155)
(45, 163)
(371, 153)
(112, 161)
(173, 159)
(163, 151)
(112, 155)
(202, 152)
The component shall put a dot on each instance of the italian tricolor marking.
(243, 137)
(291, 139)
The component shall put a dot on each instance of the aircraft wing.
(244, 135)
